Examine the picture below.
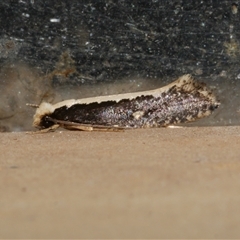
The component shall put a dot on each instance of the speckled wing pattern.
(182, 101)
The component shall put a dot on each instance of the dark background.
(47, 48)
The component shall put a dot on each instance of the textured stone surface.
(115, 39)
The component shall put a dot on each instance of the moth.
(182, 101)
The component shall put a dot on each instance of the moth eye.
(47, 122)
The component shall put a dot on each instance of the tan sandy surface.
(153, 183)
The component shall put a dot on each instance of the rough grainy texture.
(77, 41)
(148, 183)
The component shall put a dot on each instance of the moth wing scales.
(185, 84)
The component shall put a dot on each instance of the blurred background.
(52, 50)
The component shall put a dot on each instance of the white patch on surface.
(54, 20)
(138, 114)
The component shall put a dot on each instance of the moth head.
(44, 110)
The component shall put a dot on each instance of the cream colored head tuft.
(43, 110)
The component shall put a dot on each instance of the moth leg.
(108, 129)
(99, 128)
(45, 130)
(71, 125)
(174, 126)
(86, 127)
(77, 127)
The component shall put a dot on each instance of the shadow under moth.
(182, 101)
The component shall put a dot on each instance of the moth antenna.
(32, 105)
